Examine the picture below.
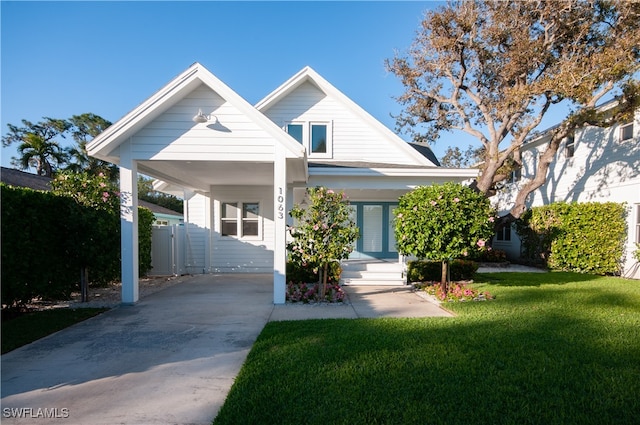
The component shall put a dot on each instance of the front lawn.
(553, 348)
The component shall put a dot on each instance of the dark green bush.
(299, 274)
(427, 271)
(47, 239)
(580, 237)
(145, 229)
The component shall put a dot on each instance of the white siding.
(173, 135)
(602, 169)
(196, 235)
(353, 139)
(244, 255)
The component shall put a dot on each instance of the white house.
(595, 165)
(241, 168)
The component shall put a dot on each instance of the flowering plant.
(457, 292)
(309, 293)
(324, 233)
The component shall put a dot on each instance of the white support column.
(280, 224)
(129, 225)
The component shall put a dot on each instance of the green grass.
(554, 348)
(32, 326)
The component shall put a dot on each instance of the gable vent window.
(626, 131)
(316, 137)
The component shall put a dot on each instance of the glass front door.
(376, 223)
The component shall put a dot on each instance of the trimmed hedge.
(47, 239)
(300, 274)
(428, 271)
(579, 237)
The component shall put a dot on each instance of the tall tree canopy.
(493, 69)
(83, 129)
(38, 144)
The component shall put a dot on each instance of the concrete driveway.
(170, 359)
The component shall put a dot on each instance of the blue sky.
(65, 58)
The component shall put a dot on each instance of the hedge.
(580, 237)
(47, 239)
(430, 271)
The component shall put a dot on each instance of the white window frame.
(623, 127)
(239, 220)
(570, 147)
(307, 127)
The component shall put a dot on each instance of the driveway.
(171, 358)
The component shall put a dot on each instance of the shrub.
(579, 237)
(490, 255)
(430, 271)
(298, 273)
(441, 222)
(457, 292)
(310, 293)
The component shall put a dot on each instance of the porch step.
(372, 272)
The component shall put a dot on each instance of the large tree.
(38, 145)
(83, 129)
(493, 69)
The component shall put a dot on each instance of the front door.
(376, 223)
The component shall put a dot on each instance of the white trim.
(396, 172)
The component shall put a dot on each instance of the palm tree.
(43, 155)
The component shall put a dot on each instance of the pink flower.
(102, 184)
(481, 243)
(415, 208)
(316, 227)
(492, 219)
(330, 191)
(456, 199)
(433, 203)
(400, 215)
(101, 175)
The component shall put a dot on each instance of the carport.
(203, 141)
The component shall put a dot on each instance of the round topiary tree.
(443, 222)
(324, 232)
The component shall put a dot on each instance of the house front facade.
(596, 164)
(240, 168)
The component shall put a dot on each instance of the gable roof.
(307, 74)
(19, 178)
(104, 146)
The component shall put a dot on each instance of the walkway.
(170, 359)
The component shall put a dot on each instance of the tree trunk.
(84, 284)
(325, 271)
(443, 279)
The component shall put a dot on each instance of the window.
(240, 219)
(504, 234)
(295, 131)
(318, 138)
(314, 136)
(229, 216)
(626, 131)
(516, 175)
(250, 219)
(570, 147)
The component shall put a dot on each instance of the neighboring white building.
(241, 168)
(595, 165)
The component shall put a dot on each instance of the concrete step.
(372, 282)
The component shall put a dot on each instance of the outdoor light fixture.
(202, 118)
